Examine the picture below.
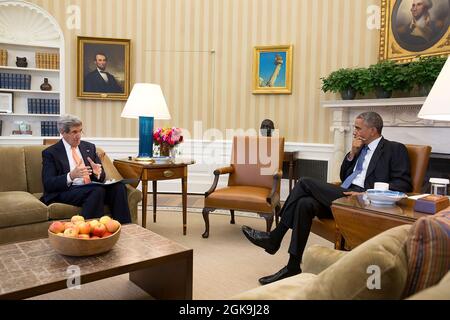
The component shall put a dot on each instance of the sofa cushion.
(428, 251)
(12, 171)
(19, 208)
(61, 211)
(33, 165)
(440, 291)
(348, 278)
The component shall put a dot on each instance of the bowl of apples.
(79, 237)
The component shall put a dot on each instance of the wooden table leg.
(155, 192)
(184, 198)
(144, 203)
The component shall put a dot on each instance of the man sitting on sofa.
(69, 167)
(371, 159)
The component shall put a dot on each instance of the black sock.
(277, 234)
(293, 263)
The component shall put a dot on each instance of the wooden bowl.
(82, 247)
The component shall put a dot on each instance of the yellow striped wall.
(200, 51)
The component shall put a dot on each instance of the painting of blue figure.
(272, 69)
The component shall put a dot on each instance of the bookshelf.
(44, 53)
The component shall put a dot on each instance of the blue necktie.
(359, 166)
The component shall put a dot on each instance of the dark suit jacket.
(55, 167)
(389, 163)
(94, 82)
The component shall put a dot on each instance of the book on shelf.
(45, 60)
(3, 57)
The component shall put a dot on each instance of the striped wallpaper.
(201, 52)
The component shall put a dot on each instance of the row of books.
(43, 106)
(3, 57)
(49, 129)
(15, 81)
(46, 60)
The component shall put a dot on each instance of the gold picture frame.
(272, 69)
(103, 68)
(408, 32)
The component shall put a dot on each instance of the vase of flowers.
(167, 139)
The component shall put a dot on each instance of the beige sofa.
(331, 274)
(22, 215)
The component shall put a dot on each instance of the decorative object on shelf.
(146, 103)
(24, 128)
(436, 106)
(103, 70)
(167, 139)
(46, 86)
(272, 69)
(407, 32)
(21, 62)
(6, 102)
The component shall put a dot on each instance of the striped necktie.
(359, 166)
(78, 161)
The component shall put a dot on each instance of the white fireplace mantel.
(400, 124)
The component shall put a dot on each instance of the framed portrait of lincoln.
(103, 70)
(412, 28)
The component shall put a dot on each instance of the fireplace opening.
(438, 167)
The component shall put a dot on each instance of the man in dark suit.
(69, 167)
(99, 80)
(371, 159)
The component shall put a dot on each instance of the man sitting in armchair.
(371, 159)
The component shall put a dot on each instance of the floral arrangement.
(167, 136)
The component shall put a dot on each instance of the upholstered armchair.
(419, 156)
(254, 180)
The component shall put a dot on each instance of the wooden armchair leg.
(269, 222)
(205, 213)
(232, 217)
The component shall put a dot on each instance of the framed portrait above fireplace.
(412, 28)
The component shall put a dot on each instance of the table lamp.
(146, 103)
(437, 104)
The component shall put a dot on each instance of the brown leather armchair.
(254, 180)
(419, 156)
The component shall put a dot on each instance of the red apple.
(84, 228)
(112, 226)
(99, 230)
(106, 234)
(93, 224)
(57, 227)
(74, 219)
(71, 232)
(105, 219)
(68, 225)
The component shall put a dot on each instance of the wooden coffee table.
(157, 265)
(357, 221)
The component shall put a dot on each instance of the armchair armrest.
(217, 173)
(318, 258)
(272, 198)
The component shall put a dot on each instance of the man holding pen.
(371, 159)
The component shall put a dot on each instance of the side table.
(150, 171)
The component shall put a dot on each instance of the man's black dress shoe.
(283, 273)
(261, 239)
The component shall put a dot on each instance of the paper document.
(110, 182)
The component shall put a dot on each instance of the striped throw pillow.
(428, 252)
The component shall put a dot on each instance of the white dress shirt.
(359, 179)
(104, 75)
(72, 164)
